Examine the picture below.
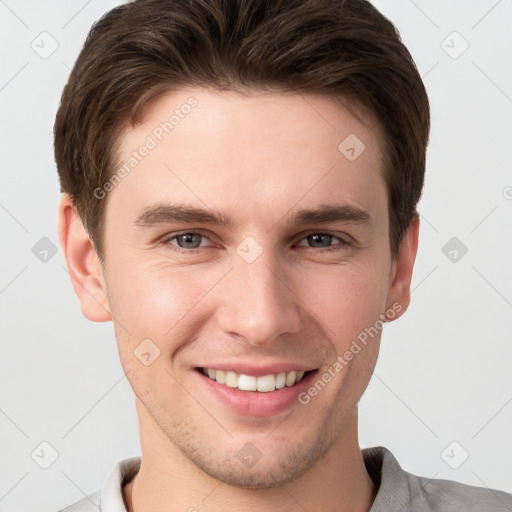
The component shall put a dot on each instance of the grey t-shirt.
(398, 490)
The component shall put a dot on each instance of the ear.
(83, 263)
(399, 293)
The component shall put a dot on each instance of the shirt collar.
(112, 490)
(391, 481)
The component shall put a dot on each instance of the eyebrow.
(324, 214)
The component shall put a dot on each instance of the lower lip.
(254, 403)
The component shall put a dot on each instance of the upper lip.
(258, 370)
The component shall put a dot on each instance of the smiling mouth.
(262, 384)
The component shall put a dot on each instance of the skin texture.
(258, 158)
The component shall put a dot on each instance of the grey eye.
(321, 240)
(188, 240)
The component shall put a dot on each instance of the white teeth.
(290, 378)
(246, 382)
(280, 380)
(266, 383)
(231, 379)
(263, 384)
(220, 376)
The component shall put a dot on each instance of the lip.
(254, 403)
(258, 371)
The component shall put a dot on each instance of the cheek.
(170, 305)
(346, 300)
(154, 313)
(155, 302)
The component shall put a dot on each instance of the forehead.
(251, 152)
(260, 113)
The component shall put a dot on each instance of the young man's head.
(246, 174)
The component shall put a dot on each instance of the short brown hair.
(344, 48)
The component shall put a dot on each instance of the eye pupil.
(186, 238)
(317, 237)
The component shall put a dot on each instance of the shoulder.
(90, 503)
(399, 490)
(110, 497)
(449, 496)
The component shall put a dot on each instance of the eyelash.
(166, 241)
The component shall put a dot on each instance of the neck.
(168, 481)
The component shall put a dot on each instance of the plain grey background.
(441, 395)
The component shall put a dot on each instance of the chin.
(270, 471)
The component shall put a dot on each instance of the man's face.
(270, 293)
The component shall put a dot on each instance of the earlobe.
(83, 263)
(399, 292)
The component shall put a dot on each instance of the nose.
(258, 301)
